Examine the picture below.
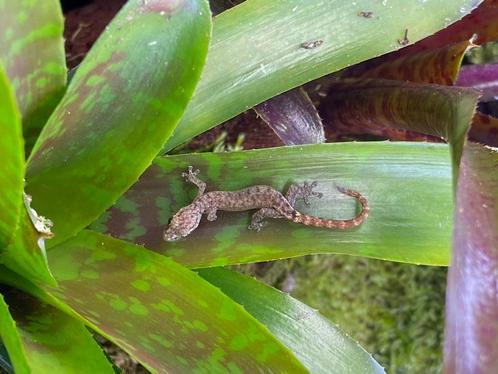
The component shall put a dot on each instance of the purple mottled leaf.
(471, 343)
(293, 117)
(481, 77)
(162, 314)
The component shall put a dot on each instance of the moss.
(396, 311)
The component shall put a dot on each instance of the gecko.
(270, 202)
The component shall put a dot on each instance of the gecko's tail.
(335, 223)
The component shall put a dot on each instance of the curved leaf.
(122, 104)
(482, 77)
(32, 49)
(26, 253)
(46, 340)
(263, 40)
(11, 339)
(471, 341)
(437, 66)
(482, 22)
(319, 344)
(440, 111)
(12, 165)
(18, 240)
(293, 117)
(400, 180)
(164, 315)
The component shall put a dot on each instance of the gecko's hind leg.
(191, 176)
(211, 214)
(258, 217)
(302, 191)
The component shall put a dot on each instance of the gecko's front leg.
(191, 176)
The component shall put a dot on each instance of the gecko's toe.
(256, 226)
(341, 189)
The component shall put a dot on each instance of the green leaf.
(262, 40)
(400, 180)
(12, 165)
(32, 49)
(18, 240)
(26, 253)
(164, 315)
(121, 106)
(11, 339)
(44, 339)
(312, 338)
(471, 336)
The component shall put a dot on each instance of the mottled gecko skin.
(269, 201)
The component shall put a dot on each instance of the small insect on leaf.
(311, 44)
(405, 39)
(365, 14)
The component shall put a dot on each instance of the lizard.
(270, 202)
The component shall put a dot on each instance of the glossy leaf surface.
(318, 343)
(122, 105)
(293, 117)
(264, 43)
(164, 315)
(18, 240)
(471, 342)
(12, 156)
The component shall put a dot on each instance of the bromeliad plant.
(139, 93)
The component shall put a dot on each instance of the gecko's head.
(183, 223)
